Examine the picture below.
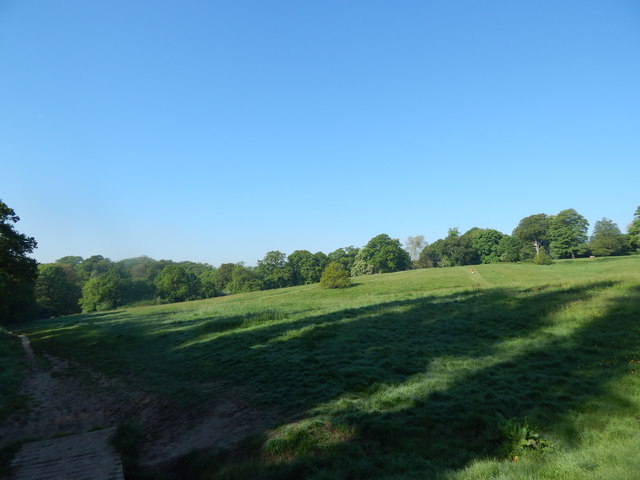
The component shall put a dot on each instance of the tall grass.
(514, 371)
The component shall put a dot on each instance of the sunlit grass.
(407, 375)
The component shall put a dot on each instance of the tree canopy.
(381, 255)
(607, 239)
(18, 272)
(567, 232)
(535, 230)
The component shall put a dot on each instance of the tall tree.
(93, 266)
(607, 239)
(57, 290)
(274, 270)
(244, 279)
(176, 284)
(568, 234)
(306, 267)
(223, 276)
(105, 291)
(514, 249)
(18, 272)
(535, 230)
(381, 255)
(486, 242)
(634, 232)
(207, 280)
(453, 250)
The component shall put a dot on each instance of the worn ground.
(67, 398)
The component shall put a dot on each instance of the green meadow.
(514, 371)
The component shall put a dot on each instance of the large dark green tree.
(207, 280)
(93, 266)
(57, 290)
(634, 232)
(486, 242)
(224, 276)
(514, 249)
(306, 267)
(534, 229)
(453, 250)
(274, 271)
(244, 279)
(105, 291)
(607, 239)
(381, 255)
(175, 284)
(18, 272)
(567, 232)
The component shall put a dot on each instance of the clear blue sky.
(216, 131)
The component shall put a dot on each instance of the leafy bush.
(542, 258)
(335, 276)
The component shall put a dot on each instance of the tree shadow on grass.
(363, 430)
(408, 388)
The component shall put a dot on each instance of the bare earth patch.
(67, 398)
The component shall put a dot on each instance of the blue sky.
(216, 131)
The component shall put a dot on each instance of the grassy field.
(511, 372)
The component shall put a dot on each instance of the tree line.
(73, 284)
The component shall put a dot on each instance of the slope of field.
(503, 371)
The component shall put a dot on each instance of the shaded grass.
(402, 376)
(12, 368)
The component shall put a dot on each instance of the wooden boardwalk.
(87, 456)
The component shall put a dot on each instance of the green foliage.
(274, 270)
(335, 276)
(514, 249)
(381, 255)
(93, 266)
(542, 258)
(454, 250)
(244, 279)
(607, 239)
(486, 242)
(72, 261)
(535, 230)
(634, 232)
(103, 292)
(306, 267)
(207, 281)
(176, 284)
(57, 290)
(18, 272)
(345, 256)
(223, 276)
(568, 234)
(518, 437)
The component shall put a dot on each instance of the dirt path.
(67, 398)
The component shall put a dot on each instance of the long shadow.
(330, 364)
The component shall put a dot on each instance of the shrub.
(335, 276)
(542, 258)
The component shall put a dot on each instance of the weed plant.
(515, 371)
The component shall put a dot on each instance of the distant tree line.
(74, 284)
(537, 238)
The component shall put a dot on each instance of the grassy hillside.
(513, 371)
